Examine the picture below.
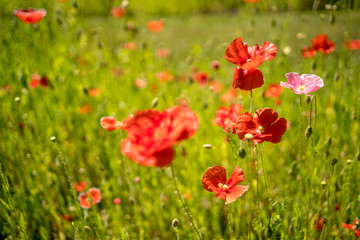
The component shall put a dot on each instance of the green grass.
(81, 54)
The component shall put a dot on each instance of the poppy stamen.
(301, 88)
(260, 129)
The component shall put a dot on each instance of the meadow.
(60, 76)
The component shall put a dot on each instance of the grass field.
(78, 54)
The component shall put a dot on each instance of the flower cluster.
(319, 44)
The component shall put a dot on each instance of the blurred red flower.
(265, 126)
(155, 26)
(80, 186)
(225, 118)
(322, 44)
(93, 92)
(30, 15)
(164, 76)
(110, 123)
(200, 77)
(118, 12)
(247, 79)
(273, 90)
(252, 1)
(86, 108)
(37, 80)
(318, 225)
(308, 52)
(214, 180)
(130, 45)
(93, 194)
(117, 201)
(140, 83)
(352, 44)
(229, 96)
(163, 53)
(151, 134)
(215, 64)
(67, 217)
(216, 86)
(353, 227)
(249, 57)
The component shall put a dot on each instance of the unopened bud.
(242, 152)
(323, 183)
(349, 161)
(324, 220)
(308, 132)
(208, 146)
(17, 99)
(334, 161)
(248, 136)
(154, 102)
(175, 223)
(53, 139)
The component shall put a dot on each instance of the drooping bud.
(308, 132)
(349, 161)
(154, 102)
(242, 152)
(334, 161)
(175, 223)
(323, 183)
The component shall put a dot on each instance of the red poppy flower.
(352, 44)
(93, 92)
(140, 83)
(216, 86)
(86, 108)
(249, 58)
(247, 79)
(130, 46)
(30, 15)
(67, 217)
(354, 227)
(37, 80)
(164, 76)
(229, 96)
(80, 186)
(322, 44)
(117, 201)
(265, 126)
(163, 53)
(92, 194)
(110, 123)
(215, 64)
(200, 77)
(273, 90)
(118, 12)
(151, 134)
(214, 180)
(225, 118)
(155, 26)
(308, 52)
(318, 225)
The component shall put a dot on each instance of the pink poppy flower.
(303, 84)
(214, 180)
(92, 194)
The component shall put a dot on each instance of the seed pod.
(175, 223)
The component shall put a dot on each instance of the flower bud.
(349, 161)
(323, 183)
(208, 146)
(334, 161)
(154, 102)
(241, 152)
(308, 132)
(53, 139)
(248, 136)
(175, 223)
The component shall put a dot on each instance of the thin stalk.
(184, 205)
(229, 221)
(263, 170)
(300, 132)
(257, 179)
(251, 101)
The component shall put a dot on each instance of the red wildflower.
(155, 26)
(200, 77)
(215, 64)
(214, 180)
(80, 186)
(93, 92)
(273, 90)
(322, 44)
(37, 80)
(140, 83)
(230, 95)
(67, 217)
(247, 79)
(225, 118)
(117, 201)
(352, 44)
(86, 108)
(92, 194)
(354, 227)
(163, 53)
(308, 52)
(130, 45)
(216, 86)
(249, 57)
(265, 126)
(318, 225)
(164, 76)
(30, 15)
(151, 134)
(118, 12)
(251, 1)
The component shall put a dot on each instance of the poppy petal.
(245, 124)
(212, 177)
(235, 193)
(236, 177)
(237, 52)
(268, 50)
(83, 200)
(348, 226)
(247, 79)
(95, 195)
(265, 117)
(277, 130)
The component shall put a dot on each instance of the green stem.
(257, 179)
(251, 101)
(184, 205)
(263, 170)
